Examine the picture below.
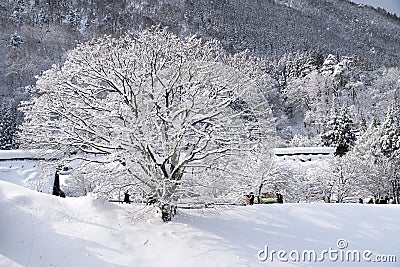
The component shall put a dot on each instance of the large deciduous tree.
(150, 111)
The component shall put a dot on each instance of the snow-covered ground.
(38, 229)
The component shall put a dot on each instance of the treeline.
(36, 34)
(45, 29)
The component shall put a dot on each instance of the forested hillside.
(296, 37)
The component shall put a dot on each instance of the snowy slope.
(38, 229)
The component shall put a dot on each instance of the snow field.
(42, 230)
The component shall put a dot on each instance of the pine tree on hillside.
(8, 127)
(329, 64)
(339, 132)
(389, 141)
(389, 146)
(363, 124)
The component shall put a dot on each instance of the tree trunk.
(167, 211)
(56, 186)
(259, 193)
(396, 189)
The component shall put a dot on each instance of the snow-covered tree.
(341, 179)
(377, 167)
(8, 126)
(330, 63)
(16, 40)
(339, 132)
(309, 99)
(151, 109)
(320, 186)
(383, 90)
(302, 141)
(266, 175)
(389, 141)
(389, 146)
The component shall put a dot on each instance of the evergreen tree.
(366, 144)
(8, 126)
(389, 145)
(389, 141)
(340, 133)
(363, 124)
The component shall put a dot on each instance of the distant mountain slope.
(35, 34)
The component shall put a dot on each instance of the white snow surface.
(38, 229)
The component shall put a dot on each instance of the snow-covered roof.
(291, 151)
(24, 154)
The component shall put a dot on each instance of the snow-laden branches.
(151, 106)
